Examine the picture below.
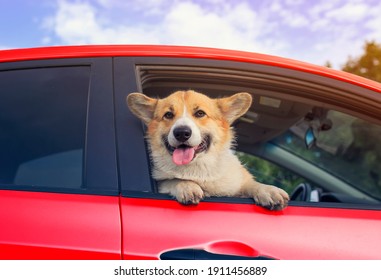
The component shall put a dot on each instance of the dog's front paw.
(271, 197)
(188, 192)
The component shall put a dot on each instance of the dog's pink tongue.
(183, 155)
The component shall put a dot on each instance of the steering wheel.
(301, 193)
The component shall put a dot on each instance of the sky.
(314, 31)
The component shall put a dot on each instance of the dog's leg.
(186, 192)
(270, 197)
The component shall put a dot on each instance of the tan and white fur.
(190, 138)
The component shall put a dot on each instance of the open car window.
(295, 132)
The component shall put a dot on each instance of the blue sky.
(309, 30)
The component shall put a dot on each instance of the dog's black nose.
(182, 133)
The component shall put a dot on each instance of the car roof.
(58, 52)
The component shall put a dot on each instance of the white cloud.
(373, 23)
(187, 23)
(318, 10)
(81, 23)
(350, 12)
(290, 16)
(142, 7)
(317, 32)
(338, 50)
(183, 23)
(339, 30)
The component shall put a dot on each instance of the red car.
(75, 174)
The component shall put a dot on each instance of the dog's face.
(188, 125)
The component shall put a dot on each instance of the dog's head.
(187, 125)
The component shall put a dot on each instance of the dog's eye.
(199, 114)
(168, 115)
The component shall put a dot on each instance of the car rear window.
(42, 126)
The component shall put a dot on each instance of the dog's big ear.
(234, 106)
(142, 106)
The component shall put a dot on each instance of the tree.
(328, 64)
(368, 65)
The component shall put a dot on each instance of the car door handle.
(197, 254)
(221, 250)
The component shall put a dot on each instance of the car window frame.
(135, 177)
(99, 166)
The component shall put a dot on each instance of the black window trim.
(133, 163)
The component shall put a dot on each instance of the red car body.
(48, 224)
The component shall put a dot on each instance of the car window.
(269, 173)
(342, 145)
(285, 139)
(42, 126)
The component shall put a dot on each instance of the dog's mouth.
(184, 154)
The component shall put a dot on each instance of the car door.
(156, 226)
(59, 195)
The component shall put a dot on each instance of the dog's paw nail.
(190, 202)
(190, 194)
(272, 198)
(187, 202)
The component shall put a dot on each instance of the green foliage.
(328, 64)
(269, 173)
(367, 65)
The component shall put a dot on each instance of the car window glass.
(342, 145)
(42, 126)
(269, 173)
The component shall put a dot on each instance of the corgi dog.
(190, 142)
